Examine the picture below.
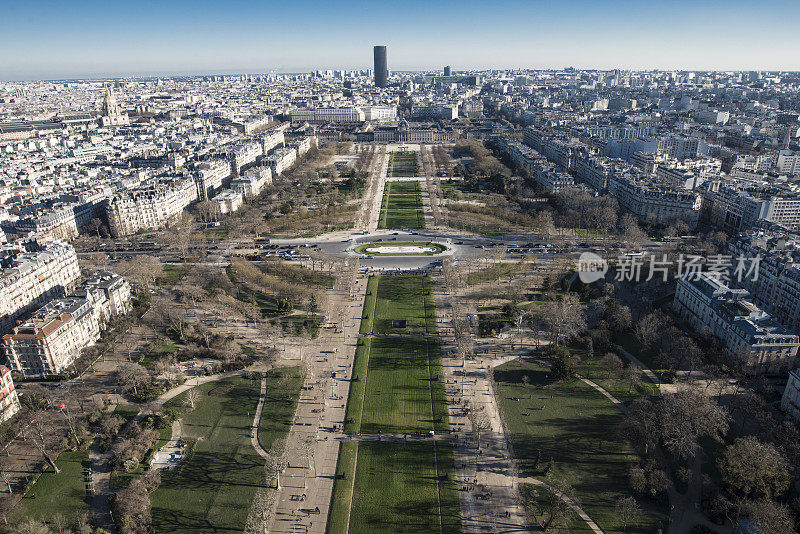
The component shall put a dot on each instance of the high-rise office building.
(381, 67)
(447, 71)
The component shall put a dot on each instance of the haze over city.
(50, 40)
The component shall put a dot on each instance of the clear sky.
(76, 38)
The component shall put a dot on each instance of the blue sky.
(62, 38)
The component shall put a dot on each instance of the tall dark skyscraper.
(447, 71)
(381, 67)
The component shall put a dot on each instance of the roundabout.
(412, 248)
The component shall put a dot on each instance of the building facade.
(753, 340)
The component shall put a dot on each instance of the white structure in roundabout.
(401, 249)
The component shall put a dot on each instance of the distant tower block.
(381, 67)
(447, 71)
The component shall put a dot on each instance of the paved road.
(257, 420)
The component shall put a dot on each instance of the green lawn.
(171, 274)
(283, 391)
(399, 387)
(572, 424)
(404, 298)
(404, 488)
(401, 219)
(404, 202)
(402, 164)
(368, 312)
(211, 490)
(401, 206)
(51, 494)
(403, 188)
(338, 513)
(493, 273)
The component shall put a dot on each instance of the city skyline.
(91, 39)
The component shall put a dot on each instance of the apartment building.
(551, 179)
(227, 201)
(788, 162)
(680, 148)
(739, 209)
(654, 201)
(57, 222)
(342, 114)
(775, 285)
(150, 207)
(243, 154)
(303, 145)
(272, 139)
(790, 401)
(52, 338)
(753, 339)
(380, 113)
(253, 182)
(210, 177)
(445, 112)
(9, 399)
(595, 171)
(110, 293)
(33, 273)
(281, 159)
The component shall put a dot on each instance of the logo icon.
(591, 267)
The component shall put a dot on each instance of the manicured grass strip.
(398, 489)
(570, 423)
(403, 164)
(449, 503)
(402, 219)
(339, 511)
(404, 298)
(403, 188)
(399, 394)
(211, 490)
(368, 312)
(441, 415)
(404, 202)
(51, 494)
(358, 385)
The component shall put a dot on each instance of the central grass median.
(403, 164)
(401, 206)
(401, 305)
(397, 389)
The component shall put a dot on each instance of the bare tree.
(39, 432)
(612, 363)
(72, 421)
(95, 225)
(564, 317)
(192, 397)
(4, 473)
